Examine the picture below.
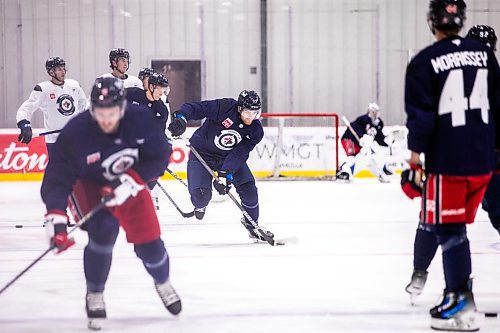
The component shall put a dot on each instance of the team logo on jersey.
(92, 158)
(227, 139)
(119, 162)
(52, 96)
(66, 105)
(227, 123)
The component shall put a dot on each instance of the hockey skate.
(200, 212)
(387, 171)
(254, 234)
(344, 176)
(169, 297)
(416, 285)
(383, 178)
(96, 310)
(456, 312)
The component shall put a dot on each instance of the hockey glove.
(125, 186)
(26, 132)
(412, 181)
(223, 184)
(178, 125)
(56, 222)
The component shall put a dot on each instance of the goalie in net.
(364, 140)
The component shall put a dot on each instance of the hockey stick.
(190, 214)
(46, 133)
(268, 239)
(82, 221)
(173, 174)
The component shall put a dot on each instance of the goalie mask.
(373, 113)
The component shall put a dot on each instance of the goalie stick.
(268, 239)
(348, 124)
(82, 221)
(189, 214)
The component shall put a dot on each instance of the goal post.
(297, 146)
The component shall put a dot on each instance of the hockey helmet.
(446, 14)
(373, 107)
(54, 62)
(485, 34)
(158, 80)
(107, 92)
(249, 99)
(145, 72)
(116, 53)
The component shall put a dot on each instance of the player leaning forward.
(231, 131)
(109, 150)
(450, 98)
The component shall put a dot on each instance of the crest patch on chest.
(227, 123)
(94, 157)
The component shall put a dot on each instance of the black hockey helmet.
(54, 62)
(107, 92)
(157, 79)
(485, 34)
(145, 72)
(249, 99)
(116, 53)
(446, 14)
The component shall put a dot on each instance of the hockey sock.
(249, 199)
(200, 197)
(96, 264)
(97, 255)
(155, 259)
(425, 247)
(456, 255)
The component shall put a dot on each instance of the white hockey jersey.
(58, 103)
(130, 80)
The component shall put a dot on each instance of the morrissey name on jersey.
(459, 59)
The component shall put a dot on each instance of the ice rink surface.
(347, 273)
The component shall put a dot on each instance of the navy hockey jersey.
(449, 100)
(361, 125)
(158, 108)
(83, 151)
(223, 135)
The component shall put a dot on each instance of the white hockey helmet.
(373, 107)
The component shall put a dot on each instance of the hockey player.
(426, 244)
(113, 149)
(368, 128)
(491, 201)
(230, 132)
(60, 99)
(119, 61)
(450, 97)
(153, 97)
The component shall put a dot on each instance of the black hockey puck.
(19, 225)
(491, 314)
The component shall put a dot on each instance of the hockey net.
(298, 147)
